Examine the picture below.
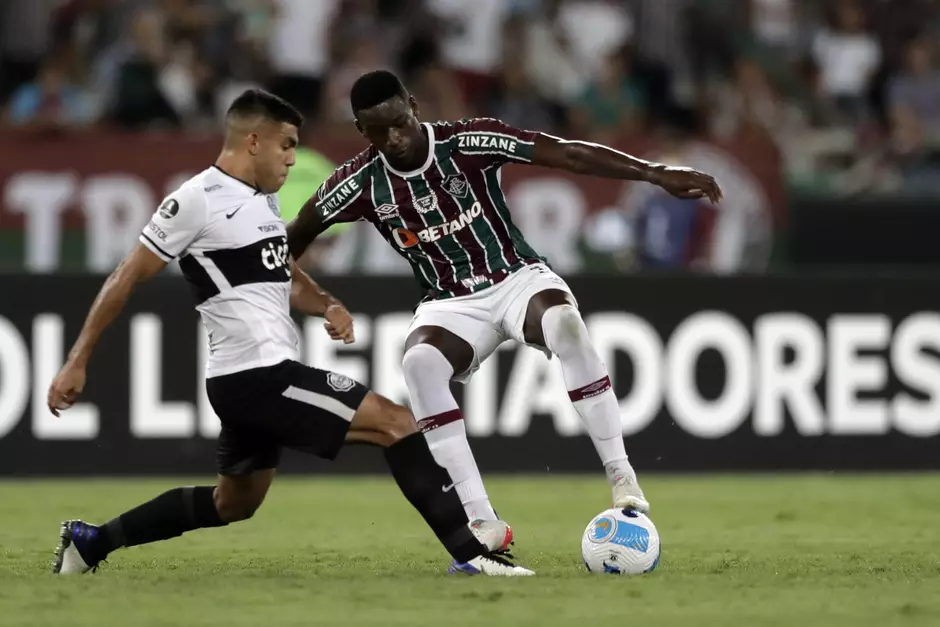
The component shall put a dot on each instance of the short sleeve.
(174, 226)
(495, 139)
(345, 195)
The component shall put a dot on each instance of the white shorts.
(490, 317)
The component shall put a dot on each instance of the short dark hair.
(375, 88)
(255, 102)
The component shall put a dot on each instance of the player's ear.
(254, 144)
(414, 105)
(359, 128)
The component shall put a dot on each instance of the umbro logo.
(387, 212)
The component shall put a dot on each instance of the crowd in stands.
(848, 89)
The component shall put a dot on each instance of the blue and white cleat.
(492, 565)
(72, 554)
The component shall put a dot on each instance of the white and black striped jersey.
(232, 248)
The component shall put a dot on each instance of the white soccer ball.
(620, 542)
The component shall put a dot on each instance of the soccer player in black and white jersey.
(225, 227)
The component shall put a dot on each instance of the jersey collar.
(238, 180)
(427, 162)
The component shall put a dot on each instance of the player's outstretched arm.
(307, 296)
(138, 266)
(597, 160)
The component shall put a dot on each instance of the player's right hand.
(66, 388)
(339, 324)
(686, 183)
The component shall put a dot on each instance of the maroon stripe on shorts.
(590, 391)
(433, 422)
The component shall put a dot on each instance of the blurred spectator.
(432, 83)
(24, 41)
(750, 102)
(914, 107)
(514, 99)
(847, 56)
(662, 46)
(613, 105)
(775, 25)
(138, 100)
(298, 51)
(53, 100)
(552, 66)
(914, 99)
(90, 26)
(363, 55)
(895, 23)
(594, 29)
(471, 42)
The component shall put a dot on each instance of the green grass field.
(762, 550)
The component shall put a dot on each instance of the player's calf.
(426, 485)
(83, 546)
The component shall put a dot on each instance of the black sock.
(171, 514)
(423, 483)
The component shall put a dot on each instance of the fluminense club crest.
(456, 185)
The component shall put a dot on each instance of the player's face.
(275, 154)
(393, 128)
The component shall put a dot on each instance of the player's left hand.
(339, 324)
(687, 183)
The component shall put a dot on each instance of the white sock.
(427, 374)
(588, 385)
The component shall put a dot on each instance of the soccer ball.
(620, 542)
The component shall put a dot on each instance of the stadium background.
(793, 327)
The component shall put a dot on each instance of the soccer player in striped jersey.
(433, 191)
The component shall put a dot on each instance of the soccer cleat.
(627, 493)
(71, 556)
(492, 565)
(495, 535)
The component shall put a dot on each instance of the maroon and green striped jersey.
(449, 217)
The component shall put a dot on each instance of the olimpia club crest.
(273, 205)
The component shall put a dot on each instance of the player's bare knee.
(382, 422)
(400, 422)
(235, 510)
(234, 507)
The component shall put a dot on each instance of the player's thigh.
(242, 450)
(243, 446)
(534, 290)
(463, 329)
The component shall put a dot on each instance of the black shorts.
(288, 405)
